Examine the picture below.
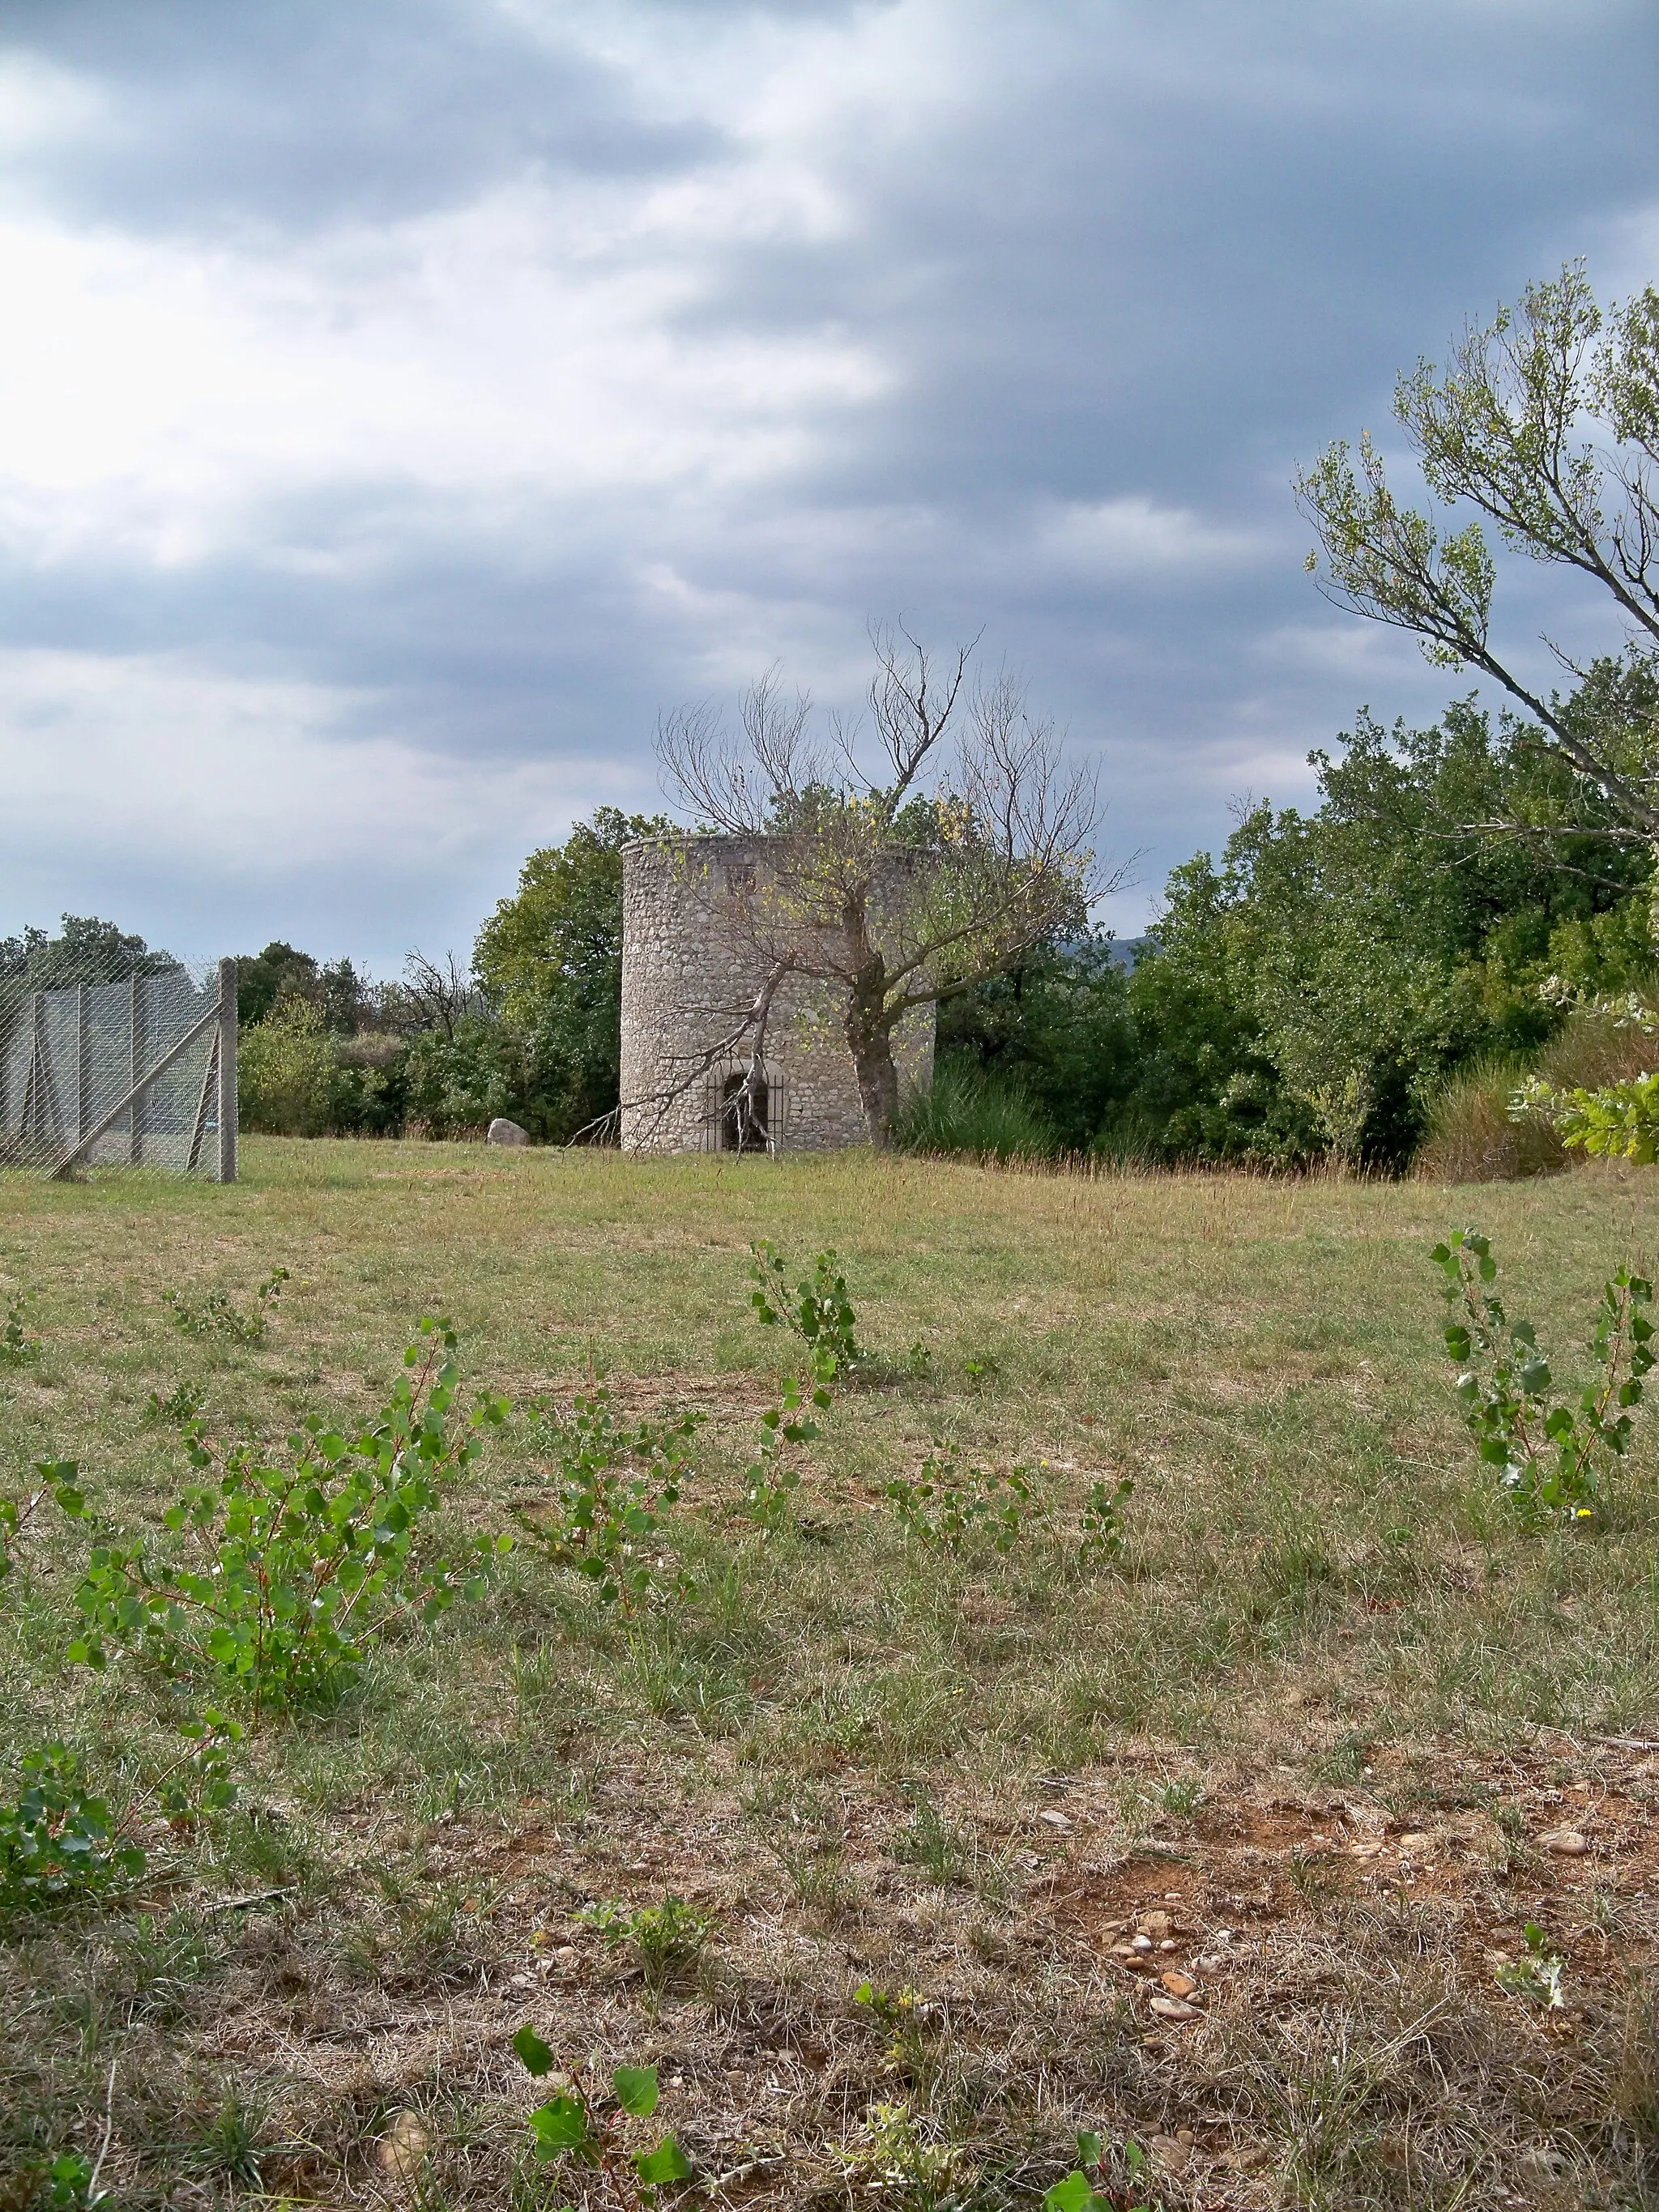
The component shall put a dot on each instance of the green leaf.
(668, 2162)
(559, 2126)
(536, 2055)
(637, 2090)
(1074, 2195)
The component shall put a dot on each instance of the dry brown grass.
(1321, 1718)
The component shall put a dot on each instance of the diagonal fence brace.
(222, 1017)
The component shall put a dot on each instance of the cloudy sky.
(402, 402)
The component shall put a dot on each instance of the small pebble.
(403, 2145)
(1565, 1842)
(1175, 2008)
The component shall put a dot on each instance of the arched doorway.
(746, 1114)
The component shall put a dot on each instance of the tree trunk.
(870, 1041)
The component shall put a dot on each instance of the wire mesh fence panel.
(113, 1069)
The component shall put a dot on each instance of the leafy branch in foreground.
(1550, 1453)
(282, 1575)
(614, 1485)
(1077, 2193)
(1618, 1121)
(580, 2124)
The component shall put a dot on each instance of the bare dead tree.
(903, 863)
(431, 996)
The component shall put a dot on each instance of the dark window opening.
(744, 1110)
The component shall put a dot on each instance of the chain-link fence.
(113, 1059)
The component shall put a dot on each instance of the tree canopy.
(1546, 425)
(549, 960)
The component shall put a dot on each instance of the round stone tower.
(691, 971)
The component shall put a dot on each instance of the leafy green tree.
(549, 963)
(1545, 426)
(1309, 993)
(280, 972)
(1056, 1030)
(89, 951)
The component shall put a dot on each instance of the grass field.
(1305, 1737)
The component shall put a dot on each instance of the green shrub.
(667, 1938)
(297, 1077)
(17, 1346)
(283, 1575)
(455, 1085)
(56, 1839)
(614, 1485)
(969, 1110)
(56, 1481)
(950, 1507)
(1550, 1453)
(1101, 1538)
(286, 1068)
(772, 1478)
(218, 1314)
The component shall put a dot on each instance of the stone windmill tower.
(690, 969)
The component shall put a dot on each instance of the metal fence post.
(82, 1091)
(135, 1065)
(226, 1071)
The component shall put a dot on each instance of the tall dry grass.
(1472, 1136)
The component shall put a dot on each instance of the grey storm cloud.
(411, 401)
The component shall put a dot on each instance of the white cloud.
(255, 781)
(535, 340)
(1130, 535)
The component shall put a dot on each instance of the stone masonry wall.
(687, 977)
